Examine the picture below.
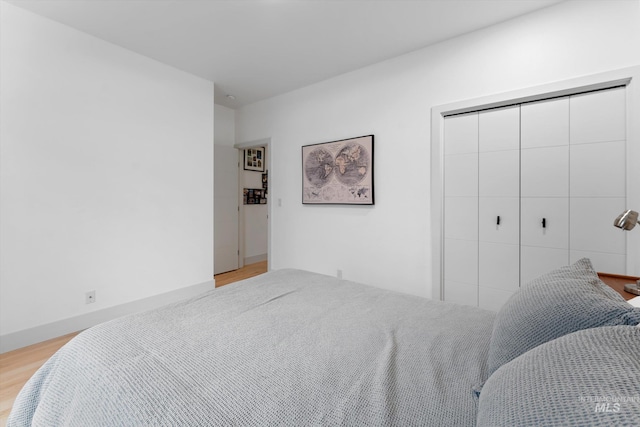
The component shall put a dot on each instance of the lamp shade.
(626, 220)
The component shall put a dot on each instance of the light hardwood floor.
(17, 366)
(240, 274)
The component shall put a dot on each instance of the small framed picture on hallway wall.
(254, 159)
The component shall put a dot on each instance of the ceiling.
(256, 49)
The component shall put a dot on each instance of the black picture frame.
(254, 159)
(339, 172)
(254, 196)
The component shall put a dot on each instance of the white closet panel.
(499, 220)
(499, 174)
(499, 129)
(461, 218)
(544, 187)
(597, 170)
(598, 116)
(545, 123)
(461, 133)
(545, 172)
(499, 266)
(499, 191)
(601, 261)
(462, 253)
(592, 227)
(540, 260)
(461, 271)
(598, 178)
(461, 175)
(545, 151)
(461, 209)
(554, 233)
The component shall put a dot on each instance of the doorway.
(247, 240)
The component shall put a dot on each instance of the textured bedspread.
(285, 348)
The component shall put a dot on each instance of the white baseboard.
(45, 332)
(254, 259)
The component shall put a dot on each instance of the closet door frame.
(627, 77)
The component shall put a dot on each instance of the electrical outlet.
(90, 297)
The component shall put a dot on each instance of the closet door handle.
(498, 220)
(544, 222)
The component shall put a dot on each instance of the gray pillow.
(587, 378)
(565, 300)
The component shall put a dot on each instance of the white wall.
(388, 245)
(106, 175)
(225, 126)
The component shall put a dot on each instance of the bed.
(296, 348)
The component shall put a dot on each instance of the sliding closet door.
(499, 192)
(544, 187)
(598, 178)
(461, 209)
